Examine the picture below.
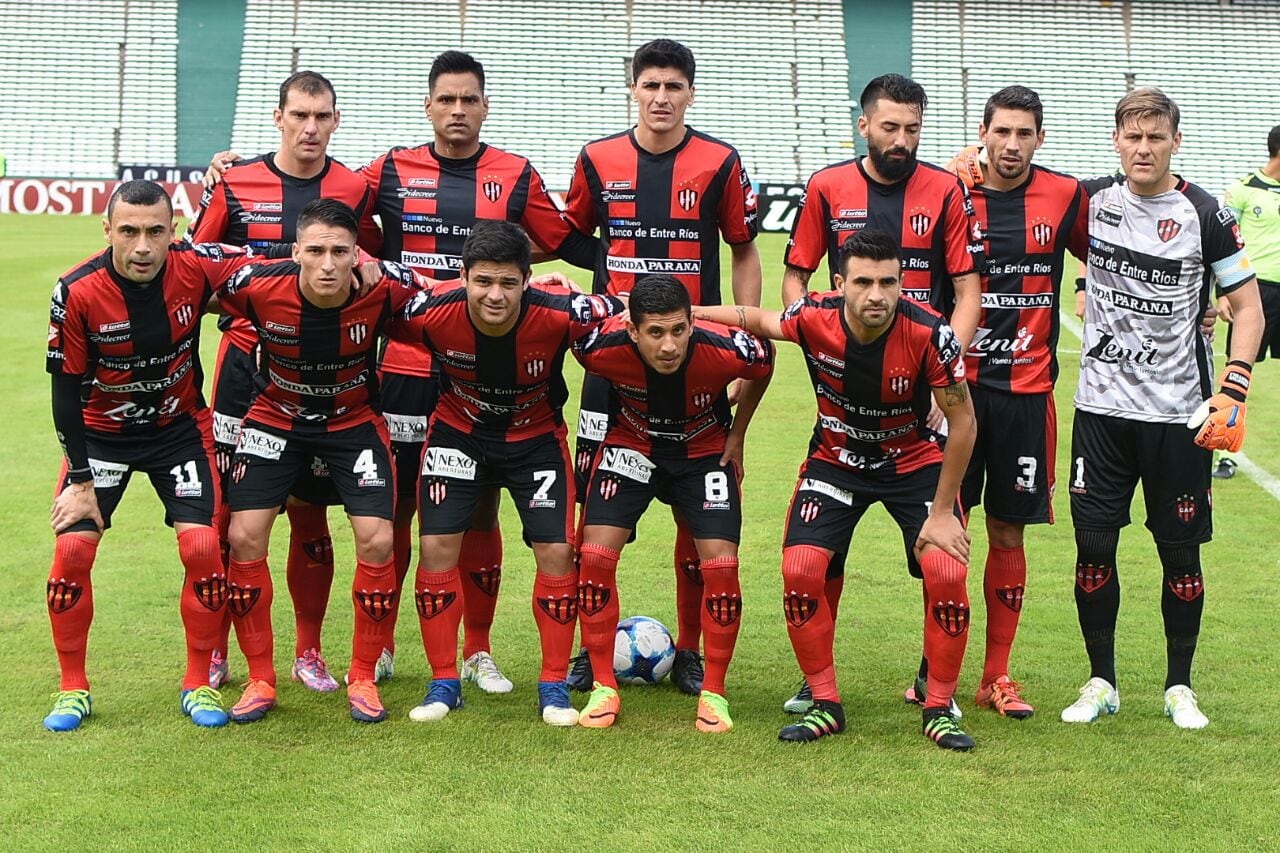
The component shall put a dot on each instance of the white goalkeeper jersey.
(1151, 262)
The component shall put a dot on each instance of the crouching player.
(318, 341)
(671, 439)
(874, 359)
(499, 339)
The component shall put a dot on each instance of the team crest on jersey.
(921, 221)
(1011, 597)
(899, 381)
(358, 332)
(1186, 507)
(608, 487)
(535, 366)
(563, 610)
(184, 313)
(62, 595)
(702, 399)
(377, 605)
(798, 608)
(1167, 229)
(687, 198)
(591, 598)
(432, 604)
(1091, 578)
(724, 609)
(1042, 233)
(809, 509)
(241, 599)
(487, 581)
(952, 617)
(436, 491)
(1187, 587)
(492, 188)
(211, 592)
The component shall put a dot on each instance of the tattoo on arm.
(802, 275)
(956, 394)
(742, 316)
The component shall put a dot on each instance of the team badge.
(436, 491)
(921, 222)
(492, 188)
(899, 382)
(358, 332)
(809, 509)
(432, 604)
(534, 366)
(951, 617)
(1187, 587)
(487, 581)
(211, 592)
(724, 609)
(798, 608)
(1092, 578)
(62, 596)
(608, 487)
(239, 469)
(687, 198)
(692, 570)
(319, 550)
(1011, 597)
(1167, 229)
(563, 610)
(1042, 233)
(591, 598)
(184, 314)
(241, 599)
(702, 399)
(583, 461)
(1186, 506)
(377, 605)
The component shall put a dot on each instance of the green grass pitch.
(138, 775)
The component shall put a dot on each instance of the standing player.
(428, 199)
(318, 343)
(924, 207)
(1155, 244)
(671, 439)
(257, 203)
(663, 195)
(124, 334)
(500, 341)
(875, 360)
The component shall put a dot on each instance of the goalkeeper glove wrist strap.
(1235, 380)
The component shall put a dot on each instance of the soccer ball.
(643, 651)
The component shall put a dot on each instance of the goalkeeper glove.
(1220, 419)
(967, 165)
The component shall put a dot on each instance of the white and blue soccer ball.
(643, 651)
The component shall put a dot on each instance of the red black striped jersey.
(873, 398)
(316, 370)
(683, 414)
(256, 204)
(930, 212)
(511, 387)
(1025, 232)
(662, 213)
(428, 205)
(137, 346)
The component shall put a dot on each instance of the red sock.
(946, 626)
(688, 590)
(1002, 585)
(402, 553)
(374, 591)
(833, 589)
(203, 600)
(69, 595)
(481, 567)
(224, 549)
(437, 596)
(721, 617)
(249, 596)
(309, 572)
(598, 608)
(555, 610)
(804, 601)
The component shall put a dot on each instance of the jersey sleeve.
(1222, 245)
(1078, 234)
(587, 312)
(962, 241)
(753, 355)
(550, 228)
(739, 222)
(944, 365)
(369, 236)
(233, 294)
(404, 284)
(219, 262)
(68, 346)
(579, 204)
(808, 242)
(209, 225)
(792, 317)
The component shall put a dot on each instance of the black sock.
(1098, 599)
(1181, 604)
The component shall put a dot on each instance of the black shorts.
(1015, 454)
(234, 389)
(458, 468)
(829, 501)
(407, 404)
(177, 458)
(269, 463)
(1110, 455)
(593, 425)
(703, 492)
(1270, 293)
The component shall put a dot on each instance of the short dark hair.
(139, 192)
(663, 53)
(895, 87)
(1273, 141)
(872, 244)
(499, 242)
(308, 83)
(454, 62)
(328, 211)
(658, 294)
(1014, 98)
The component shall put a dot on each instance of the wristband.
(1235, 380)
(79, 475)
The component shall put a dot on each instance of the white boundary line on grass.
(1264, 478)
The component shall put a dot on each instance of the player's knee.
(1097, 547)
(939, 568)
(804, 564)
(1004, 534)
(554, 559)
(248, 541)
(374, 545)
(197, 545)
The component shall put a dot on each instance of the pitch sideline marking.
(1264, 478)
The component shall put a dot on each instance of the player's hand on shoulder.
(74, 503)
(219, 164)
(555, 279)
(944, 530)
(967, 165)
